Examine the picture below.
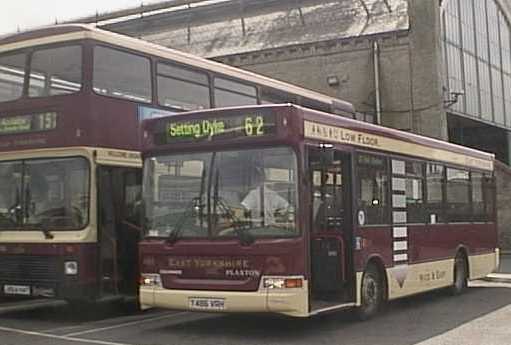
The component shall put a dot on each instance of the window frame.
(213, 89)
(90, 191)
(152, 72)
(174, 64)
(24, 88)
(388, 198)
(83, 74)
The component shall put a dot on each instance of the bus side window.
(458, 195)
(229, 93)
(478, 207)
(182, 88)
(489, 196)
(372, 190)
(414, 192)
(435, 185)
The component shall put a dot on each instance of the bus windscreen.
(222, 194)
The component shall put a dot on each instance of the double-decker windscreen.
(44, 193)
(221, 194)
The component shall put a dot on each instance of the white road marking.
(92, 323)
(166, 316)
(60, 337)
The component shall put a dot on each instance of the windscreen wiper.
(238, 225)
(47, 234)
(195, 204)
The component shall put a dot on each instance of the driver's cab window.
(328, 188)
(56, 192)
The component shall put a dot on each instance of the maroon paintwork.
(427, 242)
(82, 286)
(197, 260)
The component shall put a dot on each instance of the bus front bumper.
(287, 301)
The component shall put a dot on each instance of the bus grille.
(28, 268)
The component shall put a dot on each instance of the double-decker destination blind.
(28, 123)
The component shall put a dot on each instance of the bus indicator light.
(293, 283)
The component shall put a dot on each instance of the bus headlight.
(71, 268)
(282, 283)
(150, 279)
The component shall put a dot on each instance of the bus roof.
(70, 32)
(326, 127)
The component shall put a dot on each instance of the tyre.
(372, 293)
(460, 282)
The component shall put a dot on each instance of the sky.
(26, 14)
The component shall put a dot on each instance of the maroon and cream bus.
(72, 98)
(289, 210)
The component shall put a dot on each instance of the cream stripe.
(400, 257)
(398, 184)
(398, 217)
(347, 136)
(398, 167)
(400, 231)
(399, 201)
(400, 245)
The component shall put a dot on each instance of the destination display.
(214, 128)
(28, 123)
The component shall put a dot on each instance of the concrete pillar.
(428, 114)
(508, 148)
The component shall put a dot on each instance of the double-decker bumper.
(288, 301)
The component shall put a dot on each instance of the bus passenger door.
(107, 239)
(119, 193)
(331, 228)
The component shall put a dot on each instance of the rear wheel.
(460, 282)
(372, 293)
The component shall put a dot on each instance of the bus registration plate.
(206, 303)
(17, 290)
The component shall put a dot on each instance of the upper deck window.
(121, 74)
(229, 93)
(182, 88)
(12, 74)
(56, 71)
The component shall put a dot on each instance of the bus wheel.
(460, 275)
(372, 293)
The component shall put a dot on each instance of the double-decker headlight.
(150, 279)
(71, 268)
(282, 283)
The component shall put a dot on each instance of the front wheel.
(460, 282)
(372, 293)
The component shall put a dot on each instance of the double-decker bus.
(72, 98)
(289, 210)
